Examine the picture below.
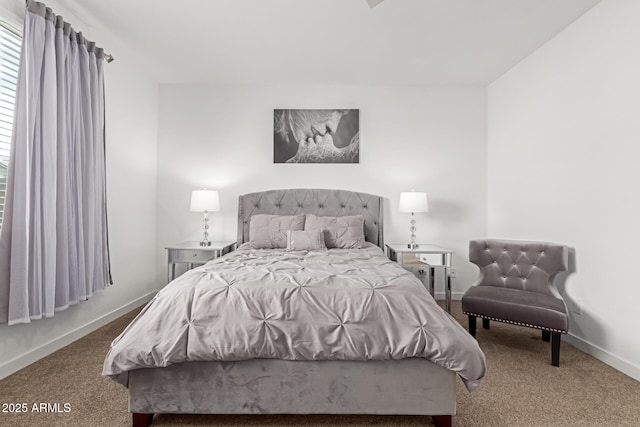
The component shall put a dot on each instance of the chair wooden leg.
(472, 325)
(555, 348)
(485, 323)
(546, 336)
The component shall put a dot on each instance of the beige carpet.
(521, 389)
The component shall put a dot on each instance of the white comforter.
(339, 304)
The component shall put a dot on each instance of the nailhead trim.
(514, 323)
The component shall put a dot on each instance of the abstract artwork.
(316, 136)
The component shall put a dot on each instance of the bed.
(270, 331)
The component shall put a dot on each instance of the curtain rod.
(107, 56)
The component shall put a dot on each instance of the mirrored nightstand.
(191, 253)
(427, 258)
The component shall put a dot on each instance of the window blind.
(10, 42)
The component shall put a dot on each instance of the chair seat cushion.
(516, 306)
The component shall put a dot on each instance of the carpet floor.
(521, 389)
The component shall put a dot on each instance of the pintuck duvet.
(339, 304)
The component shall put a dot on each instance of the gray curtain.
(53, 243)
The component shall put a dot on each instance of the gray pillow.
(345, 232)
(311, 240)
(279, 226)
(259, 228)
(270, 231)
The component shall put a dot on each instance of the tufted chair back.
(528, 266)
(312, 201)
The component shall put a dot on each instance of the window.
(10, 41)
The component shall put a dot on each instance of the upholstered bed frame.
(409, 386)
(312, 201)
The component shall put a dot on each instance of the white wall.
(564, 142)
(430, 139)
(131, 135)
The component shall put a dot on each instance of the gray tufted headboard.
(312, 201)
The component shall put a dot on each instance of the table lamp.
(205, 201)
(412, 202)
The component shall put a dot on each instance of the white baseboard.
(14, 365)
(603, 355)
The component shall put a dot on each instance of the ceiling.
(400, 42)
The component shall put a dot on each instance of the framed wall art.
(316, 136)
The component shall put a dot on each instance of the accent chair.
(515, 286)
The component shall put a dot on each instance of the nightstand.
(191, 253)
(426, 258)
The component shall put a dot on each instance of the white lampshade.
(205, 200)
(413, 201)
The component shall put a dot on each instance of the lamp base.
(205, 243)
(413, 245)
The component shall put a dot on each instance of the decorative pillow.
(312, 240)
(345, 232)
(279, 226)
(270, 231)
(259, 232)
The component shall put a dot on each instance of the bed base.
(260, 386)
